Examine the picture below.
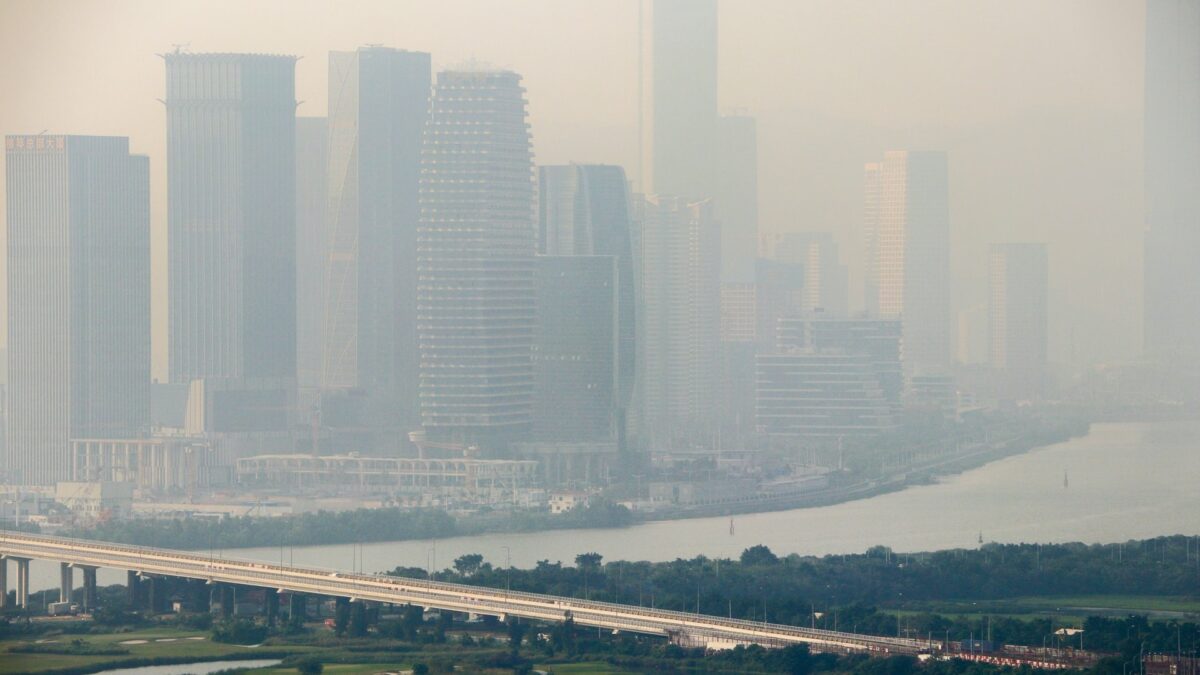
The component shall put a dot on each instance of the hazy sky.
(1038, 103)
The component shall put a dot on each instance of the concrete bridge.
(681, 627)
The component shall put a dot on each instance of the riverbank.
(404, 524)
(921, 473)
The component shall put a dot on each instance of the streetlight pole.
(507, 571)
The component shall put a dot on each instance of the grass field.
(340, 669)
(159, 642)
(583, 669)
(375, 668)
(1132, 603)
(1065, 608)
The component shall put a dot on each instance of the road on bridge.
(681, 627)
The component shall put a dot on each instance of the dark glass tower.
(584, 210)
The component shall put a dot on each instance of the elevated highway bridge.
(681, 627)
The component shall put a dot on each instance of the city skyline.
(784, 319)
(986, 149)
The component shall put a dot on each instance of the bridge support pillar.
(90, 601)
(201, 595)
(3, 582)
(22, 582)
(297, 610)
(66, 579)
(154, 593)
(133, 586)
(271, 600)
(228, 600)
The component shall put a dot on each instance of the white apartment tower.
(476, 297)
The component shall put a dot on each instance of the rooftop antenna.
(180, 47)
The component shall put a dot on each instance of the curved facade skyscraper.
(475, 258)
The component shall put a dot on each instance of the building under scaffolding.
(479, 478)
(157, 463)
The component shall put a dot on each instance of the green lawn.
(159, 642)
(340, 669)
(583, 669)
(1063, 608)
(1133, 603)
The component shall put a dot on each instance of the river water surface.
(1124, 481)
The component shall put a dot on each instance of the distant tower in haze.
(378, 108)
(679, 99)
(679, 321)
(78, 213)
(312, 247)
(476, 298)
(736, 196)
(1172, 175)
(575, 349)
(231, 215)
(584, 210)
(906, 209)
(826, 279)
(1018, 316)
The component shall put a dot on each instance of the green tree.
(758, 555)
(309, 665)
(468, 564)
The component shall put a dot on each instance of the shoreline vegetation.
(405, 524)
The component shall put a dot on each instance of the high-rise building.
(779, 290)
(312, 248)
(810, 393)
(575, 348)
(739, 313)
(584, 209)
(1172, 174)
(678, 321)
(679, 99)
(877, 338)
(378, 107)
(1018, 315)
(739, 341)
(826, 279)
(736, 196)
(78, 213)
(475, 296)
(231, 215)
(908, 251)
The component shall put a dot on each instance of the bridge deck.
(694, 628)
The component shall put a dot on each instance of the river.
(1125, 481)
